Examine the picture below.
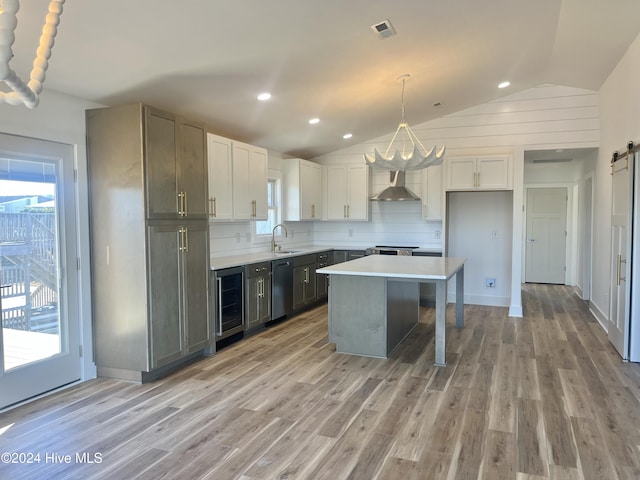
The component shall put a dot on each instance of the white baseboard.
(485, 300)
(599, 316)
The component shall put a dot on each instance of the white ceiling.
(208, 59)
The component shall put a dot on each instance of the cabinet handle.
(186, 240)
(212, 207)
(348, 211)
(254, 209)
(344, 211)
(186, 203)
(313, 211)
(261, 290)
(180, 212)
(306, 275)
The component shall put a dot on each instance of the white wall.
(620, 122)
(546, 117)
(479, 229)
(61, 118)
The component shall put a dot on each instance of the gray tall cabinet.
(149, 240)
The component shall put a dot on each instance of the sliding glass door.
(39, 338)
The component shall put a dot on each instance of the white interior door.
(546, 235)
(618, 328)
(39, 338)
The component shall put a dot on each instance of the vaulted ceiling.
(209, 59)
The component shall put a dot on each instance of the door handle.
(619, 276)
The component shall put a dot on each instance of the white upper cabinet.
(237, 180)
(220, 177)
(302, 190)
(347, 192)
(432, 193)
(479, 173)
(249, 182)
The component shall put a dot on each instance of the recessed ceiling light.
(313, 121)
(264, 96)
(347, 136)
(504, 84)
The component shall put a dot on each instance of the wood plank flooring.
(539, 397)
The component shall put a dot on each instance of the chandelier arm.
(393, 140)
(413, 137)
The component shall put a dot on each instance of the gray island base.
(374, 301)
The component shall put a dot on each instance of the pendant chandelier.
(413, 155)
(22, 92)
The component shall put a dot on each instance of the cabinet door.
(265, 300)
(195, 288)
(161, 165)
(337, 192)
(493, 172)
(258, 182)
(220, 178)
(310, 191)
(242, 199)
(165, 269)
(192, 174)
(253, 303)
(298, 286)
(322, 285)
(432, 193)
(310, 284)
(358, 188)
(461, 173)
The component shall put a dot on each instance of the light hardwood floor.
(539, 397)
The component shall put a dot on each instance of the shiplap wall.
(544, 117)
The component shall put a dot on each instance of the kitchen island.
(374, 301)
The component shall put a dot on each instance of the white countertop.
(220, 262)
(391, 266)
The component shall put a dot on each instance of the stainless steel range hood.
(396, 192)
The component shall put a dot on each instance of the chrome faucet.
(273, 235)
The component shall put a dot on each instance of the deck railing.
(29, 263)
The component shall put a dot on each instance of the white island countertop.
(393, 266)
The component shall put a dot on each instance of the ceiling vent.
(383, 29)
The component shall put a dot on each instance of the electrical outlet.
(495, 234)
(490, 282)
(437, 234)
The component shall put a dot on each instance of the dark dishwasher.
(281, 288)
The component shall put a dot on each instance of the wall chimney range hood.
(396, 192)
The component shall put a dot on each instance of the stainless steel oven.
(390, 250)
(229, 301)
